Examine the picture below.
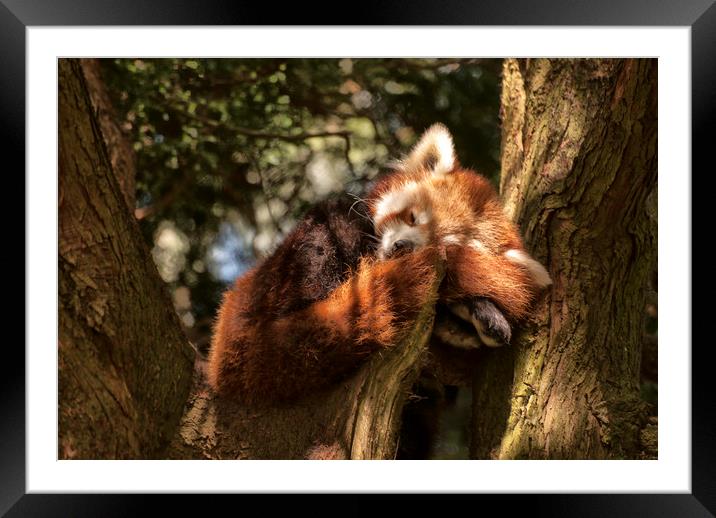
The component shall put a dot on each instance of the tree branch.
(359, 418)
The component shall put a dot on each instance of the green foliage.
(228, 142)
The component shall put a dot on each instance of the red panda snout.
(398, 247)
(401, 237)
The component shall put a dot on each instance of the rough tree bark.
(125, 367)
(357, 419)
(119, 148)
(579, 175)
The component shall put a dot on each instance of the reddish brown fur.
(465, 206)
(472, 273)
(256, 358)
(300, 321)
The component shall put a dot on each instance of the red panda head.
(429, 199)
(401, 204)
(403, 219)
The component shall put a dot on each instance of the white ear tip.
(436, 126)
(439, 127)
(437, 142)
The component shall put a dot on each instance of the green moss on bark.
(578, 167)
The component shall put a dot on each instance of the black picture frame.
(16, 15)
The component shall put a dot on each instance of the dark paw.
(491, 324)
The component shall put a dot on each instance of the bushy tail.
(259, 359)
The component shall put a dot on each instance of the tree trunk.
(357, 419)
(579, 176)
(119, 148)
(124, 364)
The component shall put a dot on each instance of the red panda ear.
(434, 152)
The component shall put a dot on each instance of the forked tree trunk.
(125, 367)
(579, 175)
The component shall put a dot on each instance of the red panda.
(324, 300)
(312, 311)
(430, 200)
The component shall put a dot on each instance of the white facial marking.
(451, 239)
(398, 232)
(395, 200)
(536, 270)
(422, 218)
(477, 245)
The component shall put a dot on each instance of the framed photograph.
(438, 246)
